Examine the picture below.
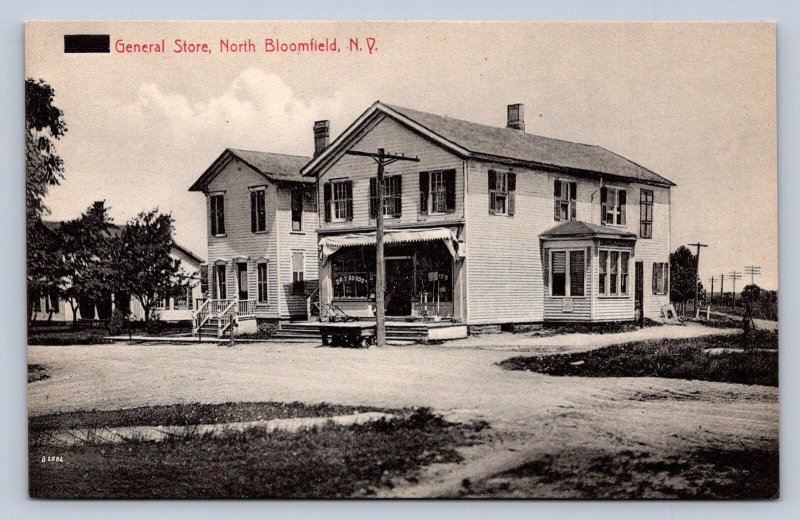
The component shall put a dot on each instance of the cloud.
(145, 151)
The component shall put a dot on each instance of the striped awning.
(329, 245)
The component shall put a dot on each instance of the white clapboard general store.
(492, 226)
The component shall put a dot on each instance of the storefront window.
(354, 273)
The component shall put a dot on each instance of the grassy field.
(93, 333)
(756, 363)
(188, 414)
(701, 474)
(333, 461)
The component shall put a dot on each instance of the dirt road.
(529, 413)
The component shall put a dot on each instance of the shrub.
(118, 323)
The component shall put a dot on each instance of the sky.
(694, 102)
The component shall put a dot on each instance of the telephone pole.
(722, 289)
(753, 271)
(712, 289)
(735, 275)
(698, 245)
(382, 159)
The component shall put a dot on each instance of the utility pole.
(735, 275)
(712, 289)
(382, 159)
(722, 289)
(753, 271)
(698, 245)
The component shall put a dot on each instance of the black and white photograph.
(504, 260)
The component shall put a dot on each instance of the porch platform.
(405, 331)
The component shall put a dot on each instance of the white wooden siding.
(504, 266)
(306, 241)
(394, 138)
(239, 242)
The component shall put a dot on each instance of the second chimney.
(516, 116)
(321, 136)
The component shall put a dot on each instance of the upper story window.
(338, 201)
(646, 213)
(258, 210)
(297, 209)
(437, 192)
(564, 200)
(392, 196)
(217, 210)
(612, 205)
(502, 188)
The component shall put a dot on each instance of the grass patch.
(188, 414)
(329, 462)
(66, 335)
(37, 373)
(674, 358)
(703, 474)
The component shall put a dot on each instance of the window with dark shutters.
(512, 191)
(492, 189)
(392, 196)
(502, 190)
(258, 211)
(217, 210)
(603, 204)
(564, 200)
(373, 198)
(297, 209)
(450, 189)
(423, 192)
(327, 200)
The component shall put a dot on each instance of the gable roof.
(273, 166)
(468, 139)
(578, 229)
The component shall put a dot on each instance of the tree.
(683, 276)
(44, 124)
(145, 268)
(751, 293)
(87, 263)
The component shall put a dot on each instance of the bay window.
(613, 272)
(567, 273)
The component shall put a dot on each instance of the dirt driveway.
(529, 413)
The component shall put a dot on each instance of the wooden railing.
(225, 311)
(246, 308)
(201, 315)
(310, 301)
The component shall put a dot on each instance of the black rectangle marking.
(87, 43)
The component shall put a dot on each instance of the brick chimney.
(321, 136)
(516, 116)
